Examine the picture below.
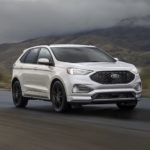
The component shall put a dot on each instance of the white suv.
(74, 74)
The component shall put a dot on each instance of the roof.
(59, 45)
(70, 45)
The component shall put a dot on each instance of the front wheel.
(59, 99)
(18, 99)
(127, 105)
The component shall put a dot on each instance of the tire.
(18, 99)
(59, 99)
(127, 105)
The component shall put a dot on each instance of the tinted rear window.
(32, 56)
(23, 58)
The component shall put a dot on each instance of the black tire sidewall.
(64, 107)
(23, 101)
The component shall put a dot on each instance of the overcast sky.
(23, 19)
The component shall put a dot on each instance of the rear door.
(29, 74)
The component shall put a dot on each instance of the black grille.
(113, 77)
(113, 95)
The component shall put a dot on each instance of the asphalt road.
(99, 127)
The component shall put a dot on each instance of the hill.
(131, 44)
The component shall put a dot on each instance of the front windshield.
(81, 54)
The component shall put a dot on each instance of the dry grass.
(146, 93)
(4, 78)
(145, 76)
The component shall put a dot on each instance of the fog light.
(138, 87)
(79, 88)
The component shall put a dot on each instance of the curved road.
(101, 127)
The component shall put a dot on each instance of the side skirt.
(32, 97)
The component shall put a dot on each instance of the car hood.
(98, 66)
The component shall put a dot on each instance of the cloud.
(23, 19)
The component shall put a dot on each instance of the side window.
(23, 58)
(44, 53)
(32, 56)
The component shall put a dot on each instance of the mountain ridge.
(126, 43)
(143, 21)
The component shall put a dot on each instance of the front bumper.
(113, 96)
(116, 91)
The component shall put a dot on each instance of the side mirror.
(45, 61)
(116, 59)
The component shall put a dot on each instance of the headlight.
(75, 71)
(135, 70)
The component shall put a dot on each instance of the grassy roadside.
(146, 93)
(145, 77)
(5, 79)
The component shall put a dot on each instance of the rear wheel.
(18, 99)
(59, 99)
(127, 105)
